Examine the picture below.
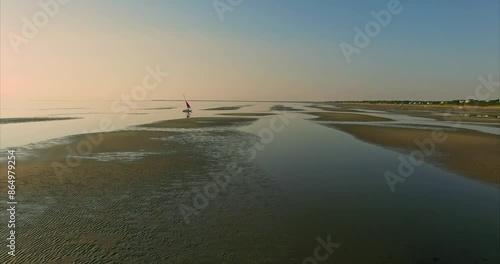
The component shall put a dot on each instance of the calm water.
(334, 185)
(91, 113)
(331, 185)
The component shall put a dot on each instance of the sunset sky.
(262, 50)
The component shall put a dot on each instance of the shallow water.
(401, 119)
(334, 185)
(92, 113)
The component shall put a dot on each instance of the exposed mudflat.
(226, 108)
(247, 114)
(199, 122)
(33, 119)
(322, 116)
(124, 201)
(283, 108)
(468, 152)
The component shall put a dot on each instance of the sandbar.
(200, 122)
(470, 153)
(322, 116)
(33, 119)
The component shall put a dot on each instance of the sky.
(247, 50)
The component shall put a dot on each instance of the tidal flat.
(283, 108)
(471, 153)
(199, 122)
(83, 209)
(225, 108)
(449, 113)
(257, 189)
(247, 114)
(33, 119)
(349, 117)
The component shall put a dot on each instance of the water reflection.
(334, 185)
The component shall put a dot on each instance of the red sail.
(187, 105)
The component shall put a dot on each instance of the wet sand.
(450, 113)
(458, 118)
(226, 108)
(283, 108)
(322, 116)
(469, 153)
(247, 114)
(334, 109)
(121, 209)
(199, 122)
(33, 119)
(156, 108)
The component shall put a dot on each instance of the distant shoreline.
(472, 103)
(452, 113)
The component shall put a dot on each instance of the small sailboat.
(188, 107)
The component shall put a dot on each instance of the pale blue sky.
(262, 50)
